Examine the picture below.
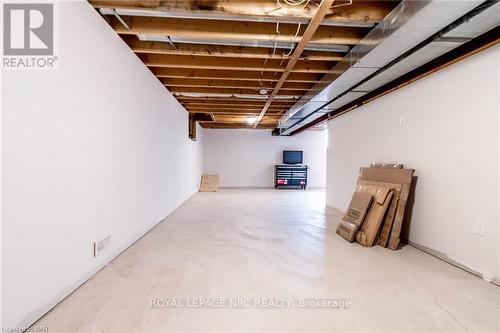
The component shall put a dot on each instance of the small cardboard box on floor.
(209, 183)
(389, 186)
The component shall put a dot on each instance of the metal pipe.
(234, 42)
(229, 17)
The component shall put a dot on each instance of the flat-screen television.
(292, 157)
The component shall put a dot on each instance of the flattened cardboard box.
(385, 230)
(354, 216)
(209, 183)
(395, 176)
(347, 230)
(371, 225)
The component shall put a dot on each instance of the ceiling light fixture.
(263, 91)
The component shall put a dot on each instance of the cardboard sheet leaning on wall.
(356, 212)
(370, 227)
(386, 226)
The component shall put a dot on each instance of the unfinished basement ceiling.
(228, 59)
(417, 36)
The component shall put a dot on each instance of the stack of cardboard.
(209, 183)
(378, 204)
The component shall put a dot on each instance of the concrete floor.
(265, 248)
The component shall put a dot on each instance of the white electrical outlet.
(101, 244)
(402, 121)
(480, 228)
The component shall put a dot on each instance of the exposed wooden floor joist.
(231, 58)
(311, 29)
(233, 30)
(230, 111)
(224, 51)
(232, 100)
(175, 82)
(232, 74)
(205, 90)
(240, 64)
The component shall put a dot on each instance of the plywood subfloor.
(265, 244)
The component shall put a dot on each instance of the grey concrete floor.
(272, 251)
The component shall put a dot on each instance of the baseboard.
(445, 258)
(338, 210)
(38, 314)
(438, 255)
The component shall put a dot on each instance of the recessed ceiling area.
(243, 63)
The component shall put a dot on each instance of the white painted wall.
(246, 158)
(95, 147)
(451, 137)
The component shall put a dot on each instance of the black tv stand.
(290, 176)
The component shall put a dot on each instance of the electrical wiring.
(265, 61)
(291, 3)
(296, 2)
(263, 67)
(303, 3)
(293, 44)
(342, 4)
(171, 43)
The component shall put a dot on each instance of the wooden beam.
(217, 125)
(132, 4)
(241, 113)
(311, 29)
(359, 12)
(232, 103)
(223, 51)
(234, 30)
(203, 117)
(230, 110)
(241, 64)
(243, 119)
(232, 74)
(234, 100)
(234, 107)
(179, 95)
(224, 118)
(194, 118)
(253, 89)
(174, 82)
(204, 90)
